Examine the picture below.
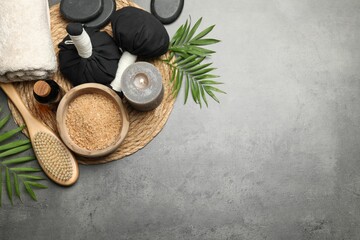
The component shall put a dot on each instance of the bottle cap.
(42, 88)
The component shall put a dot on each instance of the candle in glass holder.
(141, 84)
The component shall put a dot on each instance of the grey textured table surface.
(279, 158)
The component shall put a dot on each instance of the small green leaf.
(191, 50)
(28, 176)
(35, 184)
(209, 82)
(181, 33)
(199, 67)
(177, 36)
(211, 94)
(4, 120)
(200, 51)
(203, 95)
(10, 133)
(193, 92)
(173, 74)
(30, 191)
(187, 86)
(171, 56)
(198, 94)
(14, 144)
(16, 185)
(188, 36)
(178, 49)
(203, 33)
(182, 54)
(202, 71)
(179, 82)
(214, 89)
(25, 169)
(8, 185)
(203, 42)
(176, 82)
(182, 61)
(15, 150)
(195, 27)
(178, 33)
(192, 63)
(185, 33)
(205, 76)
(19, 160)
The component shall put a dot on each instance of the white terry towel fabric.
(26, 48)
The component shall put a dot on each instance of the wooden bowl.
(62, 112)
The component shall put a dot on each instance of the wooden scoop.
(54, 158)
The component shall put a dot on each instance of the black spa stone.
(167, 11)
(109, 7)
(81, 10)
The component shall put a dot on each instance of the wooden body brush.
(55, 159)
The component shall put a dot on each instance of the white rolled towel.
(26, 48)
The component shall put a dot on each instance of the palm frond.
(12, 171)
(186, 60)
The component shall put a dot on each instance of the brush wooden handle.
(55, 159)
(12, 94)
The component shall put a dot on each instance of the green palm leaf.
(195, 28)
(16, 185)
(28, 176)
(14, 144)
(30, 191)
(204, 42)
(19, 160)
(203, 33)
(8, 185)
(10, 133)
(16, 175)
(25, 169)
(35, 184)
(4, 120)
(187, 53)
(187, 86)
(15, 150)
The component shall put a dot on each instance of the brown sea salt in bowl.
(92, 120)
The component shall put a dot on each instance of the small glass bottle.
(48, 92)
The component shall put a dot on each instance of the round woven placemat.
(144, 126)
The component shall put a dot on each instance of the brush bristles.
(53, 156)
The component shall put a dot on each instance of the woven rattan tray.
(144, 126)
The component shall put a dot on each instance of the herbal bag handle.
(88, 55)
(80, 38)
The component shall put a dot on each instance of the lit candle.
(141, 84)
